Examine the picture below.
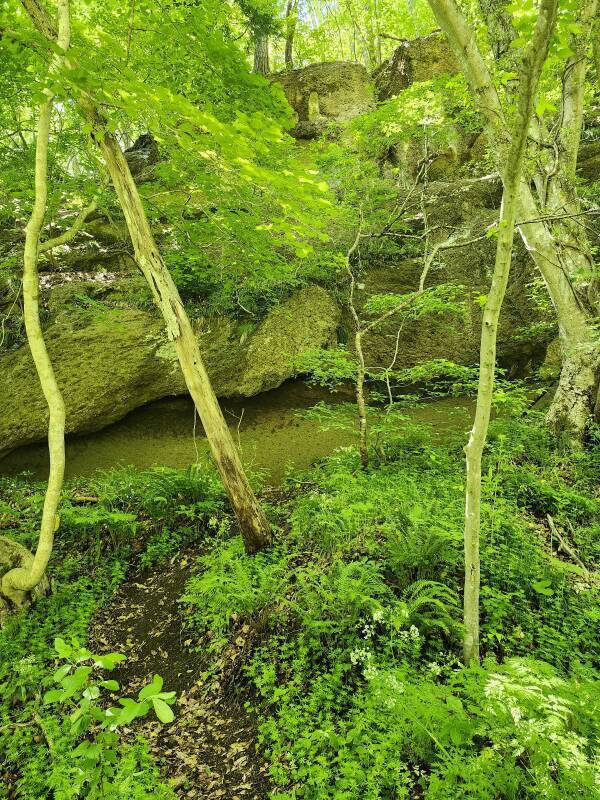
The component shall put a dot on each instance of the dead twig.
(564, 545)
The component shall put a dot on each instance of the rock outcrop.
(322, 94)
(414, 61)
(141, 156)
(109, 361)
(471, 206)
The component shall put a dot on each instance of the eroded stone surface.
(110, 360)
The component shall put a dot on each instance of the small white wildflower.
(414, 632)
(360, 656)
(378, 615)
(368, 630)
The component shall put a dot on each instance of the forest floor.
(210, 749)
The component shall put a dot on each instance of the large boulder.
(321, 94)
(414, 61)
(111, 360)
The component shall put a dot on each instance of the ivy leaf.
(109, 661)
(53, 696)
(112, 686)
(75, 682)
(62, 648)
(543, 587)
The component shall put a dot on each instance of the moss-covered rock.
(322, 94)
(109, 361)
(414, 61)
(525, 330)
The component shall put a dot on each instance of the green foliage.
(349, 629)
(28, 728)
(91, 768)
(102, 522)
(427, 114)
(165, 496)
(327, 368)
(234, 587)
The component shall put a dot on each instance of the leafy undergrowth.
(349, 629)
(114, 519)
(343, 639)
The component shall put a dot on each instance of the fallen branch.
(564, 545)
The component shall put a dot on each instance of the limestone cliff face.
(414, 61)
(109, 361)
(469, 206)
(108, 344)
(322, 94)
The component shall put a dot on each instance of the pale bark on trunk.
(363, 443)
(363, 431)
(254, 527)
(261, 54)
(19, 582)
(555, 248)
(533, 62)
(291, 18)
(252, 521)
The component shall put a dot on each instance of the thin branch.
(70, 234)
(447, 245)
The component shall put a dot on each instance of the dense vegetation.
(177, 180)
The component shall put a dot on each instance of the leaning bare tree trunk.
(20, 581)
(254, 526)
(252, 521)
(533, 62)
(261, 54)
(558, 265)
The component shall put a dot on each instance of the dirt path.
(209, 751)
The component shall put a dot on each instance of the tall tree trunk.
(291, 18)
(254, 526)
(261, 54)
(18, 582)
(531, 69)
(252, 521)
(574, 400)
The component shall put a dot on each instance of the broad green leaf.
(163, 711)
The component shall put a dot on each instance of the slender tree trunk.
(252, 521)
(17, 583)
(291, 16)
(363, 442)
(261, 54)
(558, 264)
(596, 49)
(253, 524)
(363, 431)
(531, 69)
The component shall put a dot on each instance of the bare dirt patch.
(209, 751)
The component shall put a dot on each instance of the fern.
(431, 605)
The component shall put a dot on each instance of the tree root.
(14, 556)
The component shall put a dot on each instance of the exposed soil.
(209, 751)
